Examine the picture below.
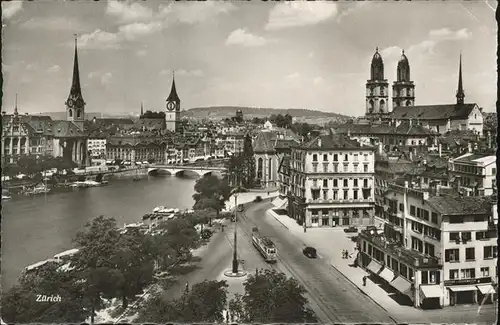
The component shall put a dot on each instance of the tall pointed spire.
(75, 85)
(15, 107)
(460, 90)
(173, 97)
(142, 110)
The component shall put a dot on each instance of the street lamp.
(235, 192)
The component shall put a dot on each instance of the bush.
(258, 199)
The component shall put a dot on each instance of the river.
(37, 228)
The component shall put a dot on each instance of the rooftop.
(433, 112)
(333, 141)
(476, 158)
(461, 205)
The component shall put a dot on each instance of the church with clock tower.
(173, 109)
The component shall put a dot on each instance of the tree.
(271, 297)
(203, 302)
(20, 304)
(134, 262)
(181, 237)
(94, 263)
(211, 193)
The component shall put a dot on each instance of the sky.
(313, 55)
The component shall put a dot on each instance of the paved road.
(331, 295)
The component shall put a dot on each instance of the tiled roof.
(476, 158)
(263, 142)
(66, 129)
(150, 123)
(461, 205)
(332, 141)
(404, 128)
(114, 121)
(433, 112)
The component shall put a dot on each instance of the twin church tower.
(377, 87)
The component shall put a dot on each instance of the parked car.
(351, 229)
(310, 252)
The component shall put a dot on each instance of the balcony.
(408, 256)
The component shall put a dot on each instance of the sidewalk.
(323, 239)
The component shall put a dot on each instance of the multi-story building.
(438, 250)
(331, 182)
(474, 174)
(270, 146)
(136, 149)
(233, 142)
(96, 147)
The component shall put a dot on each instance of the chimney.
(448, 125)
(319, 142)
(438, 189)
(380, 147)
(411, 156)
(406, 184)
(426, 196)
(469, 147)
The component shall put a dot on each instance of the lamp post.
(235, 249)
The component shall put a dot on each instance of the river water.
(37, 228)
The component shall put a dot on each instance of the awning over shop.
(486, 289)
(387, 274)
(431, 291)
(402, 285)
(374, 266)
(462, 288)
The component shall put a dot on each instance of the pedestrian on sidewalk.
(364, 281)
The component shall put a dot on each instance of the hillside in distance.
(250, 112)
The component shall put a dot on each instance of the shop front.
(403, 286)
(431, 296)
(486, 294)
(467, 291)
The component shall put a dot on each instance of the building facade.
(331, 182)
(96, 147)
(474, 174)
(443, 247)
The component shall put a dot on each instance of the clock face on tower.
(170, 106)
(70, 103)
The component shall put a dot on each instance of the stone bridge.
(176, 170)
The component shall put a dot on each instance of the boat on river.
(39, 189)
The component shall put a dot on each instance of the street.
(332, 297)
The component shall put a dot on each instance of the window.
(403, 270)
(355, 194)
(315, 157)
(452, 255)
(346, 157)
(456, 220)
(335, 168)
(355, 157)
(365, 168)
(355, 182)
(315, 169)
(470, 254)
(335, 183)
(468, 273)
(346, 182)
(485, 271)
(454, 274)
(346, 169)
(335, 195)
(401, 207)
(481, 235)
(434, 217)
(346, 196)
(466, 236)
(412, 210)
(325, 195)
(489, 252)
(365, 183)
(426, 215)
(454, 236)
(335, 157)
(364, 246)
(325, 157)
(325, 183)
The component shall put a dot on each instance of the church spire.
(142, 110)
(75, 85)
(460, 90)
(15, 107)
(173, 97)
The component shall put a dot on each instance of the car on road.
(310, 252)
(240, 208)
(351, 229)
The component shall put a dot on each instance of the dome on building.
(377, 67)
(403, 71)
